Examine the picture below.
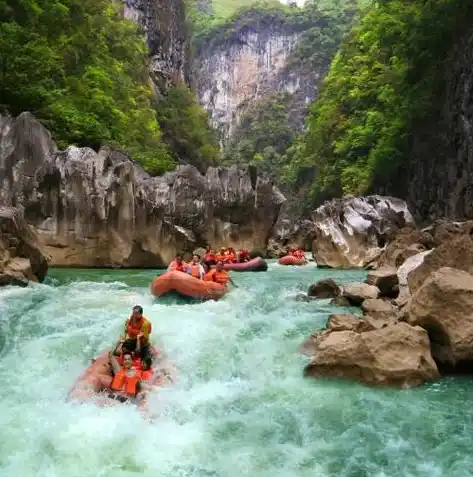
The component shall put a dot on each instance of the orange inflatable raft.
(291, 260)
(93, 385)
(184, 284)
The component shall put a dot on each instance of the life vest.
(220, 277)
(147, 375)
(124, 384)
(174, 267)
(220, 257)
(209, 277)
(195, 270)
(209, 256)
(142, 326)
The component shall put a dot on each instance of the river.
(240, 407)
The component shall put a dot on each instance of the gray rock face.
(351, 232)
(101, 209)
(164, 24)
(21, 257)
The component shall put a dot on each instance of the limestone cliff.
(101, 209)
(251, 57)
(164, 24)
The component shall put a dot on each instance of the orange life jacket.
(208, 277)
(220, 277)
(195, 270)
(147, 375)
(220, 257)
(125, 384)
(142, 326)
(174, 267)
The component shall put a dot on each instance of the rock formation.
(396, 355)
(443, 305)
(250, 58)
(163, 21)
(353, 231)
(101, 209)
(21, 257)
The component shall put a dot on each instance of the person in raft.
(195, 268)
(177, 265)
(126, 382)
(137, 331)
(219, 275)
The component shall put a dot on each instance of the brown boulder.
(325, 288)
(397, 355)
(356, 293)
(346, 322)
(386, 280)
(443, 305)
(341, 301)
(377, 308)
(456, 254)
(21, 257)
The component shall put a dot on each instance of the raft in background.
(256, 264)
(186, 285)
(291, 260)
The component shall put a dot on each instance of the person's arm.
(114, 363)
(188, 270)
(202, 272)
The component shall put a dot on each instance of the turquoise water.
(240, 407)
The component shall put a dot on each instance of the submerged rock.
(102, 209)
(395, 355)
(21, 257)
(325, 288)
(353, 231)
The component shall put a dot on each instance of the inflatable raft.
(291, 260)
(93, 385)
(186, 285)
(257, 264)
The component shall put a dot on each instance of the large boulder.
(21, 257)
(457, 253)
(443, 305)
(353, 231)
(356, 293)
(395, 355)
(101, 209)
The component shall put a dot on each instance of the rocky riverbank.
(417, 313)
(101, 209)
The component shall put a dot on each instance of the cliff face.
(439, 173)
(249, 60)
(101, 209)
(164, 24)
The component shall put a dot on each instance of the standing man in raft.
(195, 268)
(137, 327)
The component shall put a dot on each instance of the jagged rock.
(101, 209)
(409, 241)
(164, 23)
(346, 322)
(396, 355)
(352, 231)
(325, 288)
(377, 308)
(386, 280)
(21, 257)
(356, 293)
(443, 305)
(456, 254)
(274, 249)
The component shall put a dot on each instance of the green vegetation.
(185, 127)
(82, 70)
(387, 79)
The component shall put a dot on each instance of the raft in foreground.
(93, 385)
(256, 264)
(291, 260)
(186, 285)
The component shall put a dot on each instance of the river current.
(240, 407)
